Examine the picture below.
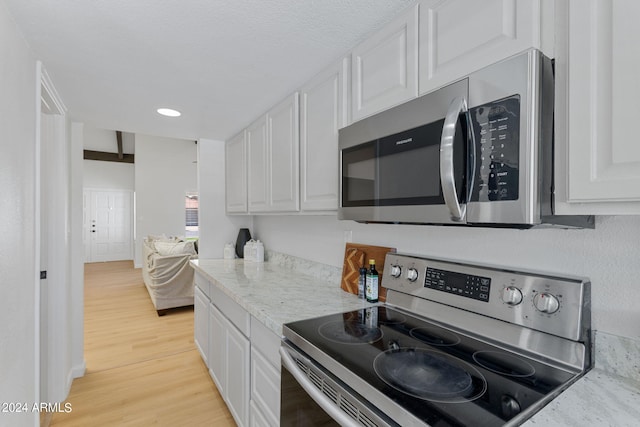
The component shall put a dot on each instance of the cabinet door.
(201, 323)
(384, 67)
(217, 348)
(284, 142)
(265, 387)
(236, 174)
(322, 106)
(258, 158)
(257, 417)
(237, 371)
(458, 37)
(597, 69)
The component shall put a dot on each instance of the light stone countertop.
(598, 399)
(276, 293)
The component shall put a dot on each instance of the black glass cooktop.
(442, 377)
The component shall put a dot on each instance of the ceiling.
(222, 63)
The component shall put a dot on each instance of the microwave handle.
(447, 175)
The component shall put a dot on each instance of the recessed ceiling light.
(169, 112)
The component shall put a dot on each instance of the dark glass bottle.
(371, 288)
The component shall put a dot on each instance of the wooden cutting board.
(358, 255)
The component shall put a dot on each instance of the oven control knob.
(510, 406)
(412, 274)
(396, 271)
(546, 303)
(512, 295)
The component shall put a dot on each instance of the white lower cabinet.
(242, 355)
(201, 322)
(257, 417)
(238, 374)
(217, 348)
(229, 364)
(265, 375)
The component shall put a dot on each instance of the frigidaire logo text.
(404, 141)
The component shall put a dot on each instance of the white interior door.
(107, 218)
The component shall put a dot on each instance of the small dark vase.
(243, 237)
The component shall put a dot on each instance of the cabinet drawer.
(238, 316)
(266, 341)
(201, 282)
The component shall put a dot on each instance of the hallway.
(142, 369)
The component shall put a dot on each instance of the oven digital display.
(465, 285)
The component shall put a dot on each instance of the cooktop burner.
(435, 336)
(429, 375)
(349, 332)
(504, 363)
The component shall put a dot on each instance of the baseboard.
(79, 370)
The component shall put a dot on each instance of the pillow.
(175, 248)
(152, 237)
(163, 238)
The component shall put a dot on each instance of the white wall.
(165, 170)
(608, 255)
(216, 228)
(17, 222)
(108, 175)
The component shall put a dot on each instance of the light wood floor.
(142, 369)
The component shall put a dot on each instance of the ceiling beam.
(119, 138)
(108, 157)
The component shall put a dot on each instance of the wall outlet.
(348, 236)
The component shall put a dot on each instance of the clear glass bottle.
(371, 287)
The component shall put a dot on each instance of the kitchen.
(607, 255)
(580, 252)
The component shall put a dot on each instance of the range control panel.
(465, 285)
(536, 300)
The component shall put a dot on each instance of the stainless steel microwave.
(476, 152)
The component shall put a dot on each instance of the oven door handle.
(327, 405)
(447, 172)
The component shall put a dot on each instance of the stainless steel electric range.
(454, 345)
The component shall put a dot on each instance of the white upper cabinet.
(458, 37)
(258, 166)
(323, 108)
(385, 67)
(597, 92)
(236, 174)
(283, 169)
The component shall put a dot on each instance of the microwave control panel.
(496, 129)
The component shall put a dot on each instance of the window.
(191, 215)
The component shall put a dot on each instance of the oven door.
(409, 164)
(311, 396)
